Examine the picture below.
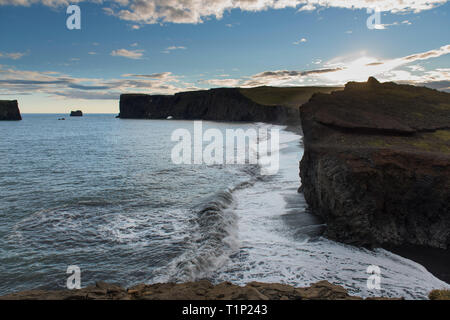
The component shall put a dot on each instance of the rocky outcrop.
(224, 104)
(9, 110)
(77, 113)
(200, 290)
(439, 295)
(376, 165)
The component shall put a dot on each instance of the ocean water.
(103, 194)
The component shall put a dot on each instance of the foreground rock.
(9, 110)
(261, 104)
(439, 295)
(200, 290)
(376, 165)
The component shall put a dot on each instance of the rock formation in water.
(376, 165)
(77, 113)
(199, 290)
(9, 110)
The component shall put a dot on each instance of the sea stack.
(9, 110)
(376, 165)
(77, 113)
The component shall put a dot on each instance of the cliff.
(199, 290)
(9, 110)
(376, 165)
(262, 104)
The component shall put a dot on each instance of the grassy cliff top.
(380, 115)
(287, 96)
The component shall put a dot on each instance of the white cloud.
(307, 7)
(340, 70)
(130, 54)
(176, 48)
(302, 40)
(222, 82)
(12, 55)
(52, 83)
(196, 11)
(172, 48)
(337, 71)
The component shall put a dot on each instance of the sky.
(167, 46)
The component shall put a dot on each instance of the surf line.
(249, 146)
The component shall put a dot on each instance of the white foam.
(271, 250)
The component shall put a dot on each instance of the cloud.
(340, 70)
(14, 82)
(429, 54)
(197, 11)
(221, 82)
(307, 7)
(386, 25)
(302, 40)
(12, 55)
(337, 71)
(130, 54)
(354, 68)
(162, 75)
(172, 48)
(176, 48)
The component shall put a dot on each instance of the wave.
(214, 232)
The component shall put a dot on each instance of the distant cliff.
(376, 165)
(263, 104)
(9, 110)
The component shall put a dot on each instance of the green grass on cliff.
(437, 141)
(439, 295)
(287, 96)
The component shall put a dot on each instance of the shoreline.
(435, 260)
(297, 130)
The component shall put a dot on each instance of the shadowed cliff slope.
(377, 164)
(9, 110)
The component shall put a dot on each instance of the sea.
(105, 195)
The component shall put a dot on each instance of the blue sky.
(165, 46)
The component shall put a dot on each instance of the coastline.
(292, 168)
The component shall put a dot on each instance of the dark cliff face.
(377, 164)
(77, 113)
(225, 104)
(9, 110)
